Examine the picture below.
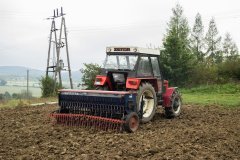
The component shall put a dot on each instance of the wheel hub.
(176, 104)
(147, 97)
(133, 123)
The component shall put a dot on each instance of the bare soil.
(201, 132)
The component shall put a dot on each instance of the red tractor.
(128, 91)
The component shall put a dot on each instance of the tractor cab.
(125, 63)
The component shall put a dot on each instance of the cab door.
(156, 72)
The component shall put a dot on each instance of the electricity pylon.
(58, 43)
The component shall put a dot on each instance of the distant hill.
(19, 71)
(16, 72)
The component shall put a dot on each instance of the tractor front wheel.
(146, 102)
(176, 104)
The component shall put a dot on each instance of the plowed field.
(207, 132)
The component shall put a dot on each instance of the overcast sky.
(94, 24)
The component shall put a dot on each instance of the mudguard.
(167, 96)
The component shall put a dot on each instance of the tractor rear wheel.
(147, 95)
(175, 109)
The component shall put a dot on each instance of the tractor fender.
(168, 95)
(102, 80)
(134, 83)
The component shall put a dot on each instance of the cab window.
(155, 65)
(144, 68)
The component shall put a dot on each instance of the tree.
(230, 49)
(213, 44)
(89, 74)
(197, 38)
(47, 86)
(16, 96)
(3, 82)
(7, 95)
(176, 57)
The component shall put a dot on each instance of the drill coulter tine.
(116, 126)
(113, 126)
(80, 121)
(57, 119)
(84, 121)
(98, 123)
(102, 125)
(65, 119)
(62, 120)
(75, 120)
(72, 120)
(54, 121)
(87, 122)
(106, 126)
(69, 120)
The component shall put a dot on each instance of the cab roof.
(132, 50)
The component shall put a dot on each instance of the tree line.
(23, 95)
(190, 56)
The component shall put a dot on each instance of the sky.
(92, 25)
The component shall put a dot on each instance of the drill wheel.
(132, 122)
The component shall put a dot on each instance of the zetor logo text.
(121, 49)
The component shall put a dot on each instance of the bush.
(203, 75)
(225, 72)
(230, 70)
(49, 87)
(1, 96)
(89, 74)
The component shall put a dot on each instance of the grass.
(227, 95)
(13, 103)
(227, 100)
